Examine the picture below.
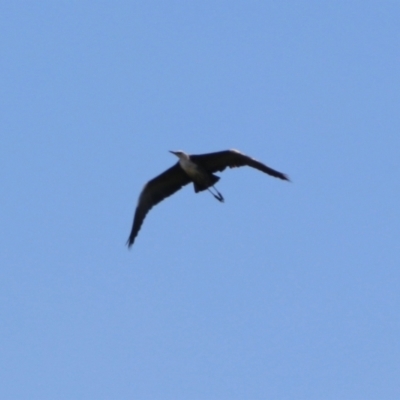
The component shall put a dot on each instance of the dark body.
(198, 169)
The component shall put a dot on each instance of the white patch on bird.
(189, 166)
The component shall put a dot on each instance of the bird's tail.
(199, 187)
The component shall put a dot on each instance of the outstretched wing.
(156, 190)
(213, 162)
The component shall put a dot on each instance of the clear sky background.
(286, 291)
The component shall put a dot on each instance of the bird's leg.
(218, 196)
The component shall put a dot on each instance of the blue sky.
(286, 291)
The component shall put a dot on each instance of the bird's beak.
(173, 152)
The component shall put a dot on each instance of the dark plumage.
(198, 169)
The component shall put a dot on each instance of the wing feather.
(156, 190)
(213, 162)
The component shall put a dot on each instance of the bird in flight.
(198, 169)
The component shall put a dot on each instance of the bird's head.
(180, 154)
